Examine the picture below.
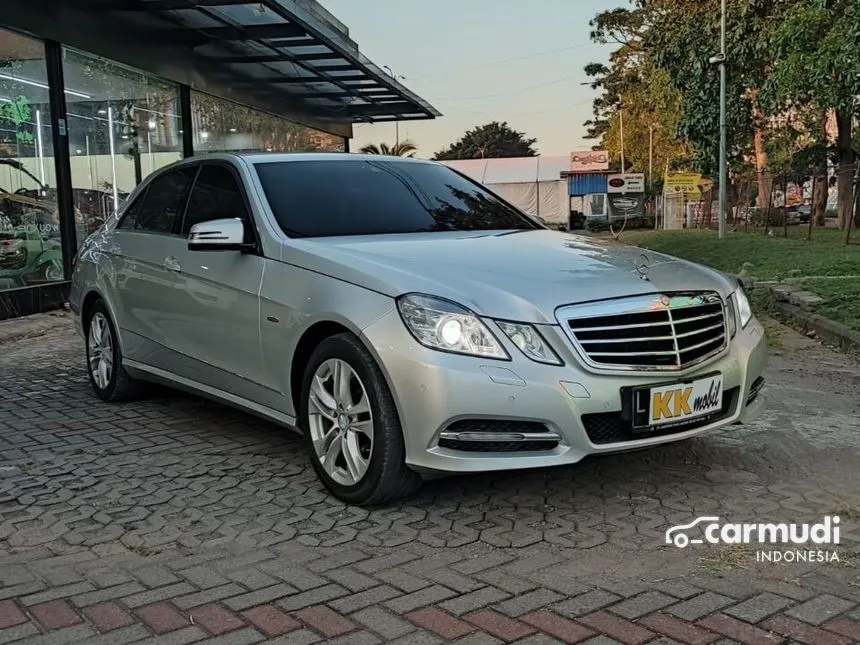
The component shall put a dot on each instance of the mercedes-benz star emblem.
(643, 266)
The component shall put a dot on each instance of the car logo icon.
(676, 535)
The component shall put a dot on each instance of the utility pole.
(724, 175)
(396, 123)
(621, 128)
(650, 157)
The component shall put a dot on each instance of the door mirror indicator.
(219, 235)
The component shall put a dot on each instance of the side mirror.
(218, 235)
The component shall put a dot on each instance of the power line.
(502, 61)
(516, 91)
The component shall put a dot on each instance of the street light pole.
(650, 157)
(621, 128)
(396, 123)
(723, 127)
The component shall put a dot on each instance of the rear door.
(147, 244)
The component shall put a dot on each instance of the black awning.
(273, 54)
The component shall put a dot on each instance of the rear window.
(375, 196)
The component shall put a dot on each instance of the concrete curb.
(33, 326)
(829, 330)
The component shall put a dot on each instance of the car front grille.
(663, 332)
(612, 427)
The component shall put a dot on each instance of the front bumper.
(436, 393)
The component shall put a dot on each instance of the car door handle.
(171, 264)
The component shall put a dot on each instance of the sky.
(478, 61)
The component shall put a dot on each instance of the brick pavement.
(175, 520)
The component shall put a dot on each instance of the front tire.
(351, 427)
(109, 379)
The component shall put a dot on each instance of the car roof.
(270, 157)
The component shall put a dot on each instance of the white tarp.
(533, 184)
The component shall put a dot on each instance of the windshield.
(372, 197)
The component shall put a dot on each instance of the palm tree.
(401, 149)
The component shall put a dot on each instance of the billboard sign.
(682, 182)
(589, 161)
(631, 182)
(625, 206)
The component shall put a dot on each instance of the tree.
(815, 63)
(683, 36)
(493, 140)
(400, 149)
(633, 83)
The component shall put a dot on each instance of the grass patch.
(772, 258)
(733, 556)
(841, 299)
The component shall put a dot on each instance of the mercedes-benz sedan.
(406, 320)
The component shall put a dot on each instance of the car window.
(159, 209)
(325, 198)
(216, 195)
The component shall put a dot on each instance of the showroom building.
(96, 94)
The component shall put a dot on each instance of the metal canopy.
(285, 51)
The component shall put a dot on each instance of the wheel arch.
(309, 340)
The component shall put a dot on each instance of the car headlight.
(444, 325)
(731, 316)
(530, 342)
(744, 309)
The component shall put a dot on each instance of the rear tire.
(108, 377)
(351, 428)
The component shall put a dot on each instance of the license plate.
(677, 403)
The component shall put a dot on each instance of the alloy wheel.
(340, 422)
(100, 350)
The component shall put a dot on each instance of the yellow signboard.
(682, 182)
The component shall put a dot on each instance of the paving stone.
(259, 597)
(215, 619)
(203, 577)
(473, 601)
(738, 630)
(326, 621)
(644, 603)
(499, 625)
(585, 603)
(566, 630)
(758, 607)
(440, 623)
(802, 632)
(10, 614)
(625, 631)
(270, 620)
(383, 622)
(155, 595)
(155, 576)
(422, 598)
(820, 609)
(367, 598)
(108, 616)
(313, 597)
(109, 593)
(680, 630)
(698, 606)
(55, 614)
(162, 618)
(209, 595)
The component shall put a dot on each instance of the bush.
(757, 217)
(602, 225)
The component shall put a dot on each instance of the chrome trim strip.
(699, 331)
(642, 339)
(498, 437)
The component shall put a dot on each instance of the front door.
(221, 289)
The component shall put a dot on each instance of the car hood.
(520, 275)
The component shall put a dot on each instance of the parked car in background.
(406, 319)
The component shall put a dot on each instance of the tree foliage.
(493, 140)
(400, 149)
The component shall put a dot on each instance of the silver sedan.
(405, 319)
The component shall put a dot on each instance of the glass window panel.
(223, 126)
(30, 248)
(122, 124)
(160, 209)
(216, 195)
